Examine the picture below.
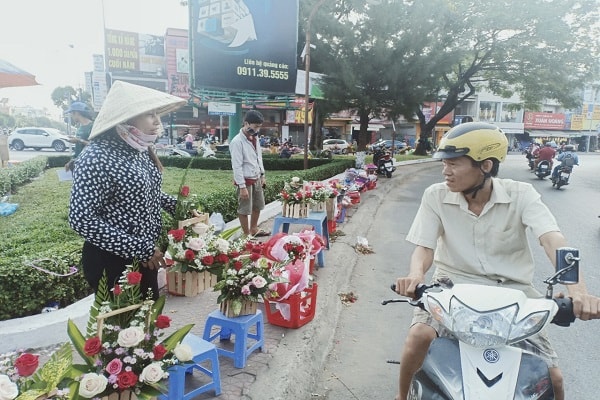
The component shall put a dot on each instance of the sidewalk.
(292, 359)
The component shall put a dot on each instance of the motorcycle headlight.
(528, 326)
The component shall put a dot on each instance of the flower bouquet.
(322, 194)
(248, 276)
(296, 198)
(22, 377)
(198, 256)
(124, 350)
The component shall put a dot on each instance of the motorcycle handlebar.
(564, 316)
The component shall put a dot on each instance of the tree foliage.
(391, 56)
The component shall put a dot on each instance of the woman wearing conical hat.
(116, 199)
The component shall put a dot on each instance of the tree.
(63, 96)
(389, 59)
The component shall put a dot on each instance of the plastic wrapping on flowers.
(293, 251)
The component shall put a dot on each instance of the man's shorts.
(255, 200)
(538, 344)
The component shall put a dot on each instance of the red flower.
(249, 246)
(254, 256)
(159, 352)
(189, 255)
(222, 258)
(92, 346)
(134, 278)
(238, 265)
(126, 379)
(26, 364)
(163, 322)
(208, 260)
(178, 234)
(117, 290)
(234, 254)
(185, 191)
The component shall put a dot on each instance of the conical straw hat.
(126, 101)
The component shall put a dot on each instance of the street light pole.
(307, 79)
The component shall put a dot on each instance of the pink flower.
(114, 367)
(246, 290)
(259, 282)
(196, 244)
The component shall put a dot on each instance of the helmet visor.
(450, 152)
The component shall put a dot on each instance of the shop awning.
(553, 133)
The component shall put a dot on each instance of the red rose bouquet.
(248, 276)
(124, 348)
(22, 376)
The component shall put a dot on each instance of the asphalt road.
(368, 334)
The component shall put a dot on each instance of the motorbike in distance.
(384, 162)
(564, 173)
(479, 359)
(543, 169)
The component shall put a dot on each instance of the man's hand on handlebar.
(406, 286)
(586, 306)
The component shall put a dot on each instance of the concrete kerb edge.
(293, 371)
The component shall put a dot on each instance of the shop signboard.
(134, 52)
(178, 62)
(244, 45)
(542, 120)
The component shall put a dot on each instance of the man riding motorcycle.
(473, 227)
(567, 153)
(546, 153)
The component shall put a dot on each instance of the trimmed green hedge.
(58, 252)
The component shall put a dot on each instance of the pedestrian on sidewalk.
(81, 114)
(116, 198)
(249, 174)
(473, 227)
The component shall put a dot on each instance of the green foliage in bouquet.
(123, 347)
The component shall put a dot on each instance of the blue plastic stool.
(240, 327)
(203, 351)
(318, 220)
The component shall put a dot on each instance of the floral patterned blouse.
(116, 199)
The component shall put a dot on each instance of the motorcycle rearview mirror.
(567, 269)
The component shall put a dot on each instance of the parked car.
(38, 138)
(336, 146)
(398, 144)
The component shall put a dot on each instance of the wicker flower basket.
(248, 308)
(295, 210)
(190, 283)
(319, 207)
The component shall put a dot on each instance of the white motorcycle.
(479, 361)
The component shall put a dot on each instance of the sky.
(55, 39)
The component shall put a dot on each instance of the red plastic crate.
(302, 309)
(331, 226)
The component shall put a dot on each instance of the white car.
(38, 138)
(336, 146)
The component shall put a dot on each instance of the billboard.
(543, 120)
(244, 44)
(178, 62)
(134, 52)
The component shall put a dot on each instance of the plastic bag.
(216, 219)
(8, 208)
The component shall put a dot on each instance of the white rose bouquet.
(124, 348)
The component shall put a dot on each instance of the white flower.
(92, 384)
(183, 352)
(131, 336)
(8, 389)
(222, 245)
(152, 373)
(295, 179)
(259, 282)
(200, 228)
(196, 244)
